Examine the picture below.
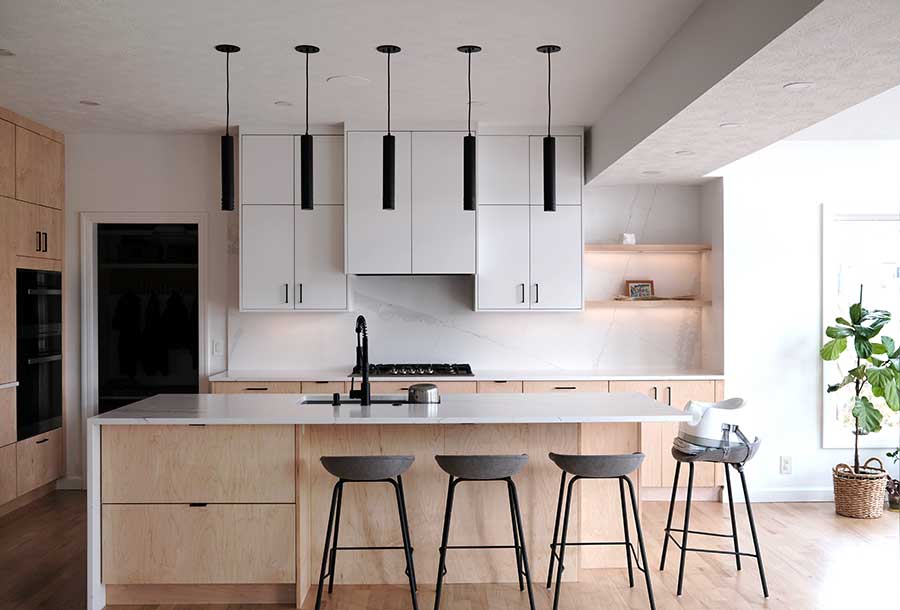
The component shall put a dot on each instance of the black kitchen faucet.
(364, 393)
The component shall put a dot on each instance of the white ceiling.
(152, 66)
(850, 49)
(877, 118)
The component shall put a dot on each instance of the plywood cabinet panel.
(7, 416)
(651, 434)
(566, 386)
(256, 387)
(40, 169)
(499, 387)
(179, 543)
(7, 474)
(7, 290)
(400, 386)
(38, 231)
(156, 464)
(39, 460)
(7, 159)
(324, 387)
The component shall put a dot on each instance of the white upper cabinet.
(569, 169)
(267, 257)
(503, 169)
(319, 279)
(328, 169)
(267, 169)
(556, 258)
(378, 240)
(503, 259)
(443, 234)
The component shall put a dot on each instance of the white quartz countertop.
(480, 375)
(540, 408)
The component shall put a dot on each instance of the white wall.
(773, 322)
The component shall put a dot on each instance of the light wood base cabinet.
(39, 460)
(208, 544)
(7, 416)
(7, 474)
(256, 387)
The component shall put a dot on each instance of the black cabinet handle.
(45, 242)
(565, 387)
(43, 440)
(286, 294)
(537, 293)
(500, 381)
(405, 389)
(655, 393)
(38, 235)
(300, 293)
(669, 391)
(523, 292)
(197, 504)
(256, 389)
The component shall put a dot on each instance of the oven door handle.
(43, 359)
(41, 292)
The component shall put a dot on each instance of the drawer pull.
(256, 389)
(197, 504)
(405, 389)
(320, 382)
(501, 382)
(45, 242)
(43, 440)
(197, 425)
(565, 387)
(38, 235)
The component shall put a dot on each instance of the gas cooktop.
(417, 370)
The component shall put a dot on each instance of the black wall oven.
(38, 351)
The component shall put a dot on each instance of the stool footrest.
(714, 551)
(368, 548)
(630, 546)
(481, 546)
(717, 535)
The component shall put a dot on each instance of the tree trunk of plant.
(858, 385)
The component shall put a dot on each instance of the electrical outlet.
(786, 464)
(217, 348)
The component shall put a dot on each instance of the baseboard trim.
(27, 498)
(76, 483)
(128, 595)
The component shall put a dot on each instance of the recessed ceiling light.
(6, 53)
(88, 103)
(353, 80)
(800, 85)
(283, 103)
(652, 172)
(684, 152)
(729, 125)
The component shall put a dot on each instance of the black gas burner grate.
(417, 370)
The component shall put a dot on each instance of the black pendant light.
(387, 147)
(469, 140)
(306, 141)
(227, 140)
(549, 141)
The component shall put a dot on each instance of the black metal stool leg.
(559, 505)
(442, 562)
(334, 495)
(334, 544)
(759, 561)
(516, 542)
(404, 534)
(405, 517)
(687, 525)
(662, 561)
(627, 532)
(562, 543)
(640, 534)
(734, 536)
(518, 514)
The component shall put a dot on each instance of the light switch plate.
(786, 464)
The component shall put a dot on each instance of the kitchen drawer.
(184, 544)
(566, 386)
(7, 416)
(7, 474)
(39, 460)
(499, 387)
(40, 169)
(256, 387)
(400, 386)
(156, 464)
(324, 387)
(38, 231)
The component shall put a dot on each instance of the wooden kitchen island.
(222, 499)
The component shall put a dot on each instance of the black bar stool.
(485, 468)
(734, 456)
(365, 469)
(598, 467)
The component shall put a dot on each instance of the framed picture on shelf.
(639, 289)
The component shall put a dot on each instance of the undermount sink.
(355, 401)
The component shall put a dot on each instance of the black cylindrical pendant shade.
(306, 172)
(549, 174)
(387, 178)
(469, 173)
(227, 173)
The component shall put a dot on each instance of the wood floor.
(814, 561)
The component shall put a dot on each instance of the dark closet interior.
(148, 329)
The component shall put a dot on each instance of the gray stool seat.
(481, 467)
(735, 454)
(367, 467)
(598, 466)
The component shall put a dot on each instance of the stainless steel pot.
(424, 393)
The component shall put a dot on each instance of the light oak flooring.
(814, 561)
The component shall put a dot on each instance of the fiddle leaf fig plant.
(877, 365)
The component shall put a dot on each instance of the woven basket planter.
(860, 495)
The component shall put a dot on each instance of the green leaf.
(858, 372)
(845, 381)
(857, 312)
(877, 314)
(888, 344)
(866, 332)
(868, 418)
(878, 348)
(862, 346)
(833, 349)
(843, 321)
(836, 331)
(879, 376)
(892, 395)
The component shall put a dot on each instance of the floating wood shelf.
(648, 304)
(648, 248)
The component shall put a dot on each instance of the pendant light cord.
(307, 93)
(470, 91)
(549, 103)
(227, 91)
(389, 93)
